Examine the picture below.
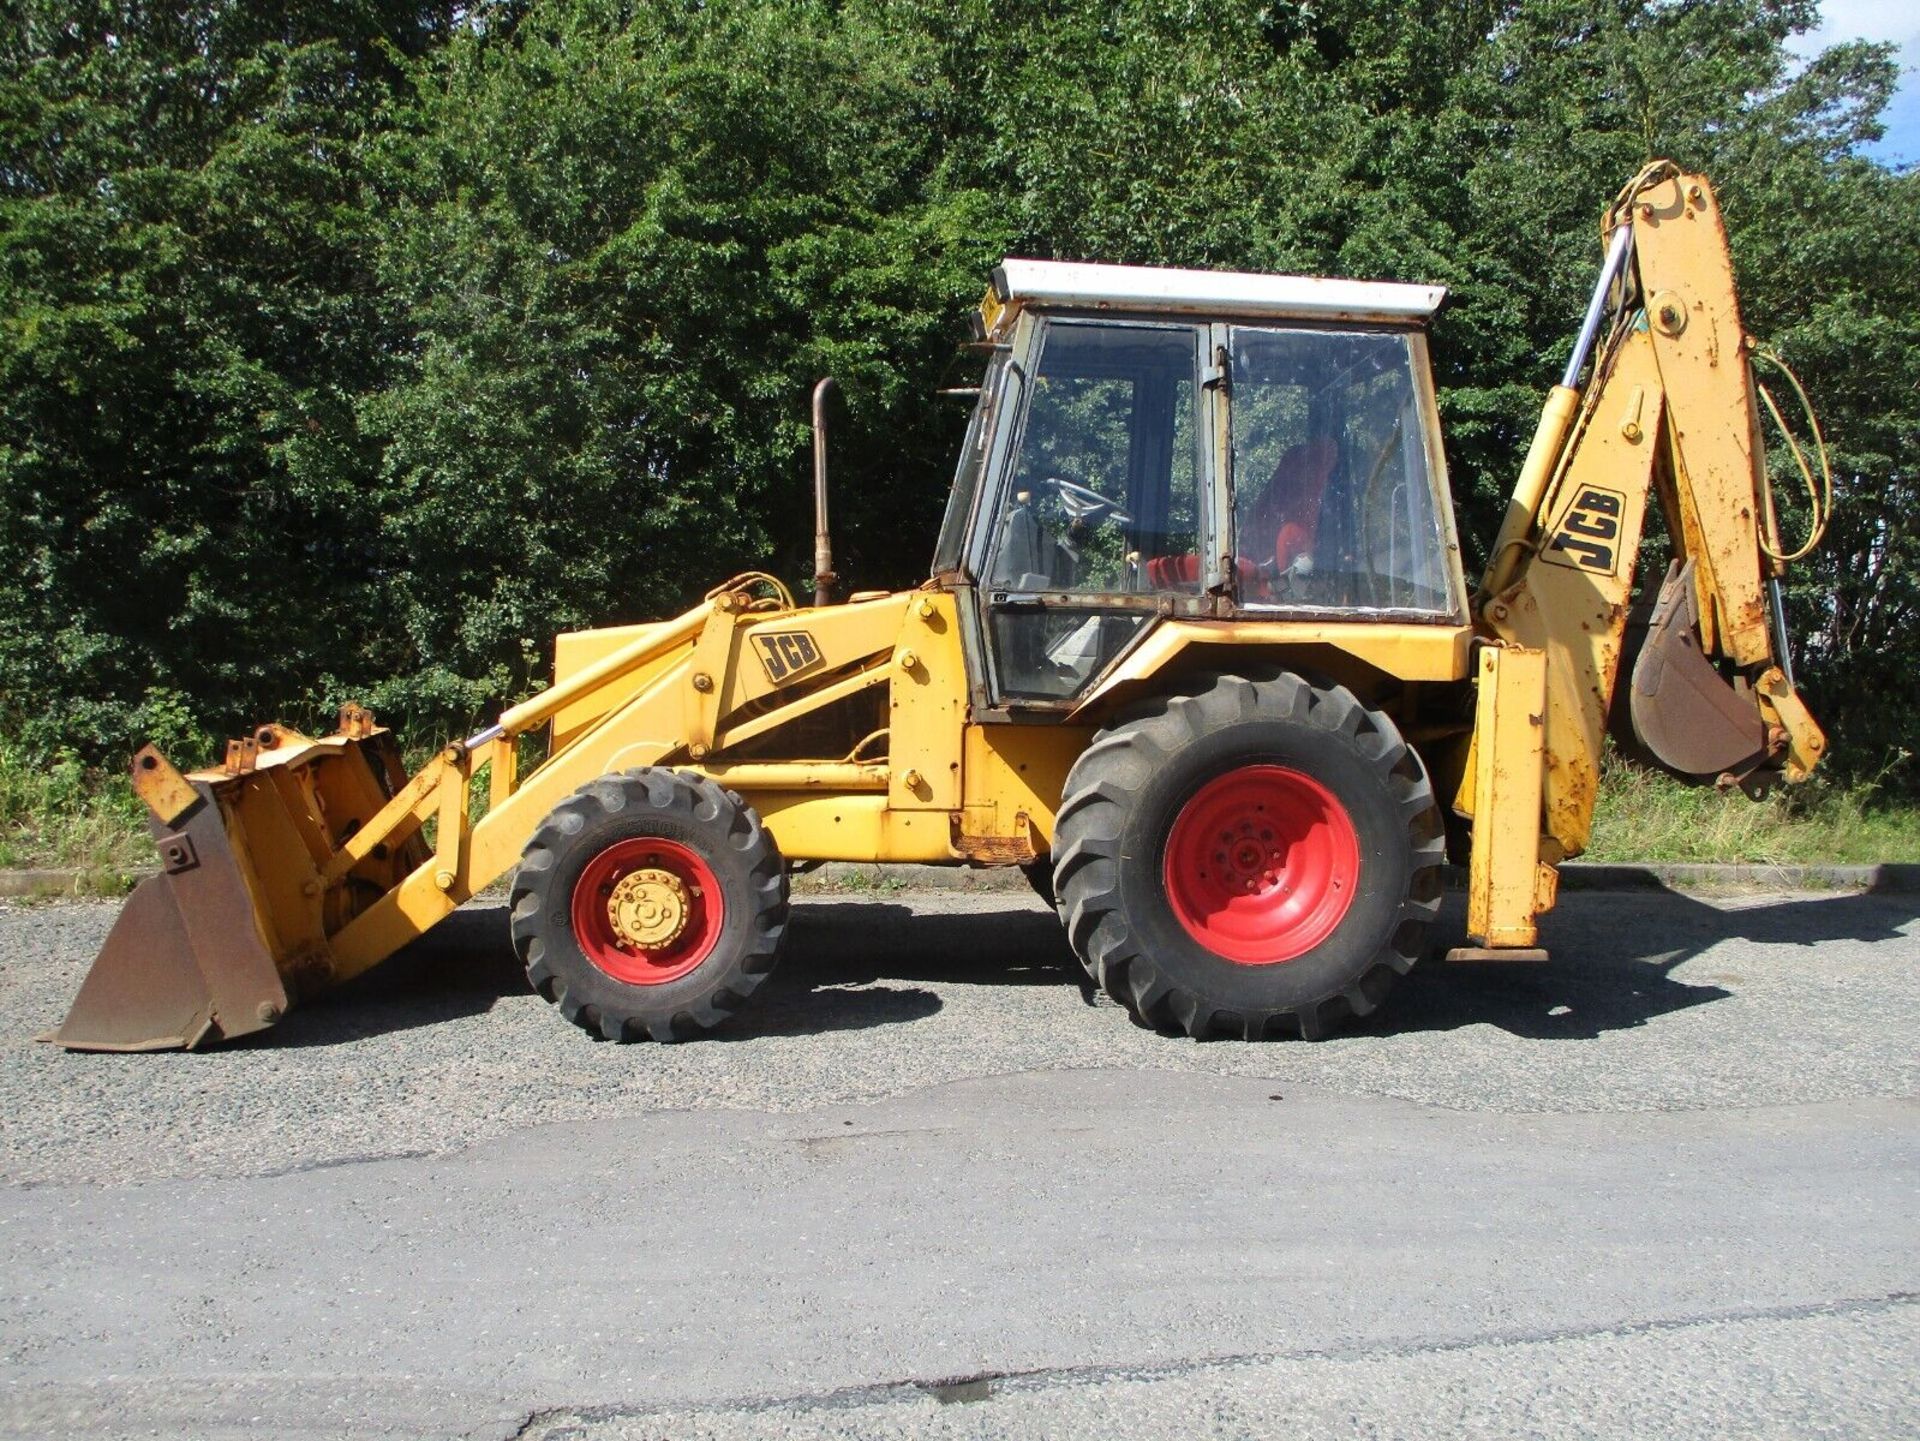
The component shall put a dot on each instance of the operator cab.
(1153, 443)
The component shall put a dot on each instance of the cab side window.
(1334, 504)
(1106, 479)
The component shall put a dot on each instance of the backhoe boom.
(1669, 412)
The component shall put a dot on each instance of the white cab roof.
(1074, 285)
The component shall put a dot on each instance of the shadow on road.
(459, 968)
(1613, 957)
(856, 942)
(466, 963)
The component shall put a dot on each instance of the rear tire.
(1248, 857)
(649, 903)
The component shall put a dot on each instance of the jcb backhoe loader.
(1197, 650)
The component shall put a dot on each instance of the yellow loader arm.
(1669, 411)
(301, 862)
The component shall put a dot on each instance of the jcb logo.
(1587, 537)
(786, 654)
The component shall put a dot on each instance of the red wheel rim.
(647, 911)
(1261, 865)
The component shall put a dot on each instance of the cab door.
(1099, 515)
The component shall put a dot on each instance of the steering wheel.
(1082, 503)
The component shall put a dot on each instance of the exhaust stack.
(823, 576)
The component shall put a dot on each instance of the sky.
(1897, 21)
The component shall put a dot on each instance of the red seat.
(1288, 510)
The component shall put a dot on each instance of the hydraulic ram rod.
(1556, 421)
(1597, 306)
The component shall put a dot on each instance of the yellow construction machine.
(1197, 651)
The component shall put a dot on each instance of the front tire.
(1248, 856)
(1039, 875)
(649, 903)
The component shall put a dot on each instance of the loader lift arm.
(301, 863)
(1668, 413)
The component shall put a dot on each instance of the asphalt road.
(1665, 1185)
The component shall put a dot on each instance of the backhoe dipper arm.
(1669, 411)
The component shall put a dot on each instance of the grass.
(1646, 816)
(64, 816)
(67, 817)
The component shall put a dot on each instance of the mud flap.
(184, 965)
(1683, 713)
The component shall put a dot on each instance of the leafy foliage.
(356, 349)
(623, 246)
(187, 321)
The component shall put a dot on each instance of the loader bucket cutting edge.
(184, 964)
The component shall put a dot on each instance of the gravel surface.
(1653, 1001)
(1664, 1186)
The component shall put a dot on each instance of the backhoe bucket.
(1683, 713)
(234, 930)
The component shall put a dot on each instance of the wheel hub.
(1261, 864)
(1251, 858)
(1251, 861)
(648, 908)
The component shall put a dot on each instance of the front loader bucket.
(184, 964)
(237, 927)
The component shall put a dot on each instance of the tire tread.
(1145, 737)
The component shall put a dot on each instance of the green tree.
(625, 243)
(358, 350)
(187, 317)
